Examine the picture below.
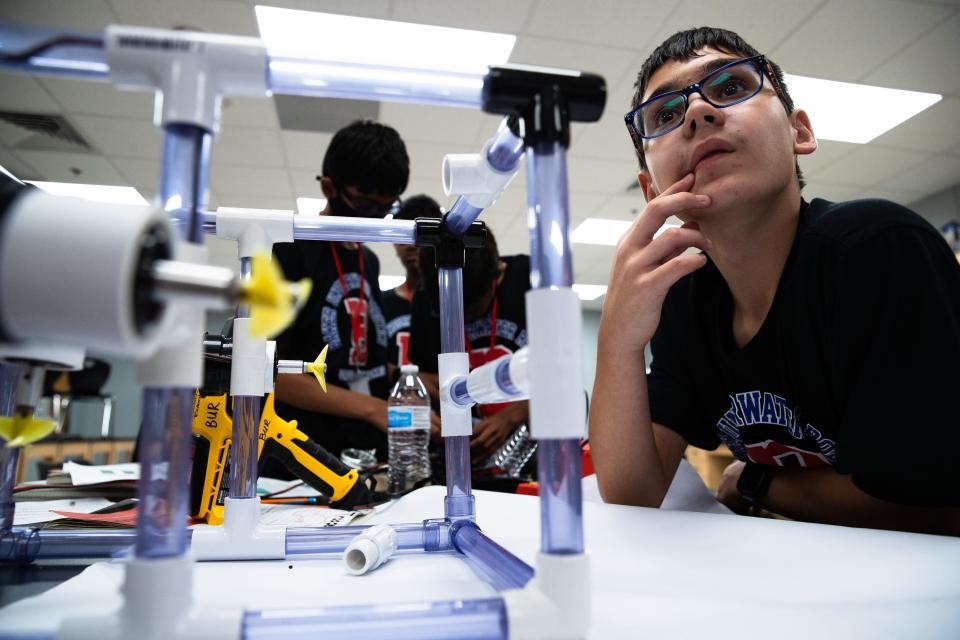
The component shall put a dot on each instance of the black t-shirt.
(396, 311)
(855, 365)
(325, 320)
(511, 321)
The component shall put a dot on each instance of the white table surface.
(656, 574)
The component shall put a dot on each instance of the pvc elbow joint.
(370, 549)
(472, 176)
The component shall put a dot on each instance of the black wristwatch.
(754, 482)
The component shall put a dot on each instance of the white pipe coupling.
(370, 549)
(249, 366)
(255, 230)
(472, 176)
(485, 385)
(189, 71)
(455, 420)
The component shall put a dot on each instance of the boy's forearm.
(622, 443)
(822, 495)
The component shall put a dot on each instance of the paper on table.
(37, 512)
(297, 516)
(286, 488)
(82, 474)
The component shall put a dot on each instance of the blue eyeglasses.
(729, 85)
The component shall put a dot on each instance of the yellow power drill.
(277, 438)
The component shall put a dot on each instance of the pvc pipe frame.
(246, 417)
(167, 412)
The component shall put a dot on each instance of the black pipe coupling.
(448, 248)
(546, 101)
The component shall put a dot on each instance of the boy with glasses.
(817, 340)
(365, 169)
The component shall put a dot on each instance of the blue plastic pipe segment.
(481, 619)
(498, 567)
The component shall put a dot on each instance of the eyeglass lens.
(721, 88)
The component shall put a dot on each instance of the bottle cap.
(409, 368)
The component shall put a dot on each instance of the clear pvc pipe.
(246, 418)
(26, 544)
(167, 411)
(551, 265)
(164, 470)
(481, 619)
(9, 456)
(69, 59)
(339, 229)
(325, 79)
(431, 535)
(498, 567)
(461, 215)
(459, 502)
(493, 382)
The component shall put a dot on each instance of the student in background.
(496, 325)
(396, 302)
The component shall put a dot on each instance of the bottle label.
(408, 417)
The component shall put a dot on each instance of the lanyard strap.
(358, 329)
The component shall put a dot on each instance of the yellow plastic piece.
(319, 368)
(212, 423)
(273, 301)
(22, 429)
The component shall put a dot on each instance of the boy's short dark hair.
(370, 156)
(480, 268)
(418, 206)
(684, 45)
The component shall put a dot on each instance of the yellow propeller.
(23, 429)
(319, 368)
(273, 301)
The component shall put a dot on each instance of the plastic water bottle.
(408, 431)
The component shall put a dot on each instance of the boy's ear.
(326, 186)
(649, 189)
(804, 140)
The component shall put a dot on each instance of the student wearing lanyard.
(495, 324)
(396, 302)
(365, 170)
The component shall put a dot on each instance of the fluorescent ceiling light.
(94, 192)
(391, 282)
(368, 41)
(311, 206)
(600, 231)
(589, 291)
(856, 113)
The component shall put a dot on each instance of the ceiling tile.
(604, 176)
(609, 63)
(932, 175)
(72, 167)
(622, 207)
(249, 112)
(212, 16)
(305, 149)
(120, 136)
(586, 204)
(846, 39)
(139, 172)
(17, 166)
(618, 23)
(77, 15)
(20, 92)
(935, 129)
(424, 123)
(924, 65)
(100, 98)
(870, 165)
(249, 181)
(12, 135)
(503, 16)
(900, 197)
(762, 23)
(305, 184)
(828, 152)
(249, 147)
